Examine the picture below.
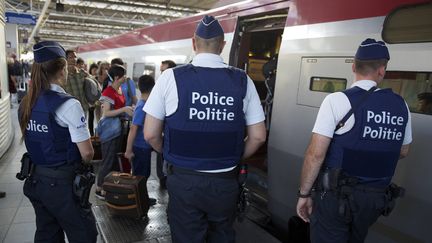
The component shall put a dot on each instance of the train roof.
(302, 12)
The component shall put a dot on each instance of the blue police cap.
(208, 28)
(48, 50)
(370, 49)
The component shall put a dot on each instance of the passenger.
(355, 161)
(93, 72)
(206, 106)
(75, 83)
(128, 87)
(424, 103)
(57, 140)
(93, 69)
(12, 79)
(167, 64)
(138, 151)
(102, 75)
(81, 64)
(113, 105)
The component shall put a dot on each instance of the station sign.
(19, 18)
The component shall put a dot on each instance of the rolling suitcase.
(126, 195)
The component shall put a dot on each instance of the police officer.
(57, 140)
(205, 106)
(357, 158)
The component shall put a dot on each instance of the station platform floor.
(17, 217)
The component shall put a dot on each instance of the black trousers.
(201, 208)
(91, 116)
(58, 212)
(329, 225)
(109, 159)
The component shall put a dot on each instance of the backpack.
(92, 90)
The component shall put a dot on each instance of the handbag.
(109, 128)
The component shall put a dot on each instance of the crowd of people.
(202, 151)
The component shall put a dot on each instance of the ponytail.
(42, 74)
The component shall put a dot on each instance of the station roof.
(77, 22)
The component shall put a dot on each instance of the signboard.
(17, 18)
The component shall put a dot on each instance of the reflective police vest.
(48, 143)
(371, 149)
(207, 130)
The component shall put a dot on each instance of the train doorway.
(255, 50)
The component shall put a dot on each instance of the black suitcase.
(126, 195)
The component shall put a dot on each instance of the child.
(138, 151)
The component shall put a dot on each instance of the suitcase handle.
(121, 207)
(122, 175)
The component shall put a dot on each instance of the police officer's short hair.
(365, 67)
(146, 83)
(209, 44)
(116, 71)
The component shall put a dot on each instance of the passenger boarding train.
(313, 43)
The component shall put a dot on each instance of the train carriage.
(313, 43)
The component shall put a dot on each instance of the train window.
(150, 69)
(409, 24)
(414, 87)
(320, 76)
(328, 85)
(141, 69)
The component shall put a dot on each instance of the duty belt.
(56, 173)
(232, 174)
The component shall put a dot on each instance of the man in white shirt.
(358, 138)
(205, 107)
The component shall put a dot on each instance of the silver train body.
(307, 52)
(6, 132)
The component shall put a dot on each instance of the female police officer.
(57, 140)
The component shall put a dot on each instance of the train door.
(255, 49)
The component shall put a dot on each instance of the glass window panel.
(328, 85)
(409, 24)
(414, 87)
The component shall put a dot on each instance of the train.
(309, 47)
(6, 131)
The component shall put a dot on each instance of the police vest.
(371, 149)
(48, 143)
(207, 130)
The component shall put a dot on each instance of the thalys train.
(297, 52)
(6, 131)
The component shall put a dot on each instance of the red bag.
(124, 164)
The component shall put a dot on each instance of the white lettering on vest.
(212, 99)
(33, 126)
(209, 113)
(383, 132)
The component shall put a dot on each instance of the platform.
(17, 218)
(115, 229)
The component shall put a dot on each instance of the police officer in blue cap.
(57, 139)
(358, 138)
(205, 107)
